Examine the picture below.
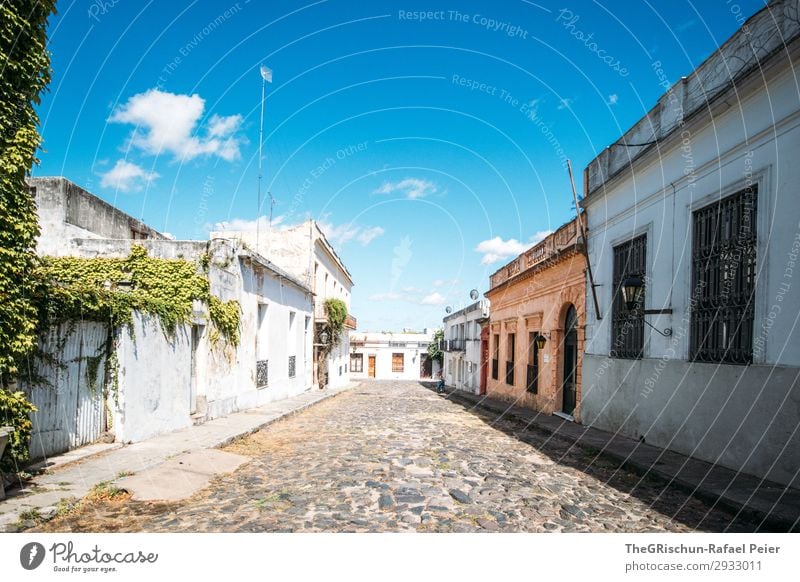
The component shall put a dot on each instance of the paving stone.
(393, 456)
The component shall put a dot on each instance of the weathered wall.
(538, 304)
(69, 412)
(752, 139)
(154, 381)
(742, 417)
(68, 211)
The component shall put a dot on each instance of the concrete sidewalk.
(75, 479)
(774, 506)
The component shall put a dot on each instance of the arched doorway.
(570, 355)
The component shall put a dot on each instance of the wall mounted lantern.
(540, 341)
(633, 295)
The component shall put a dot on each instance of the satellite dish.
(474, 294)
(448, 309)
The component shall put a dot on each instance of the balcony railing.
(495, 369)
(532, 380)
(510, 373)
(455, 345)
(564, 237)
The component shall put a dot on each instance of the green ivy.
(15, 411)
(25, 65)
(336, 311)
(110, 290)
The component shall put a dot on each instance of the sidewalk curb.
(768, 520)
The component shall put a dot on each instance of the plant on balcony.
(336, 311)
(435, 347)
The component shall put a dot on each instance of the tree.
(24, 74)
(435, 347)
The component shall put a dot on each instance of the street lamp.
(540, 341)
(632, 292)
(633, 295)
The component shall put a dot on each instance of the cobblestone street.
(394, 456)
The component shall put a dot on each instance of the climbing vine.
(24, 74)
(15, 411)
(336, 310)
(111, 290)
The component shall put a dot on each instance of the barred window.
(292, 366)
(627, 329)
(357, 363)
(397, 362)
(724, 279)
(262, 373)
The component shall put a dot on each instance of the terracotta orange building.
(536, 326)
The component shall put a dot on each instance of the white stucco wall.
(462, 367)
(413, 348)
(715, 412)
(154, 381)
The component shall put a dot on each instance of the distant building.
(164, 383)
(304, 251)
(703, 219)
(540, 294)
(462, 347)
(392, 356)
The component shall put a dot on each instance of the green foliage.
(25, 66)
(336, 310)
(434, 348)
(109, 290)
(15, 411)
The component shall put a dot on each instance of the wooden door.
(570, 355)
(371, 365)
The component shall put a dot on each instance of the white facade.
(392, 356)
(747, 136)
(462, 347)
(304, 252)
(167, 383)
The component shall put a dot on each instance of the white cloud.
(496, 249)
(434, 298)
(441, 283)
(344, 233)
(246, 225)
(613, 99)
(539, 236)
(411, 188)
(126, 177)
(168, 122)
(369, 234)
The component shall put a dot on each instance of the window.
(262, 373)
(357, 363)
(397, 362)
(627, 330)
(496, 357)
(292, 366)
(724, 280)
(512, 346)
(532, 380)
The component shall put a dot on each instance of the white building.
(165, 383)
(705, 214)
(462, 347)
(392, 356)
(303, 251)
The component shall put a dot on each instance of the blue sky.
(430, 146)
